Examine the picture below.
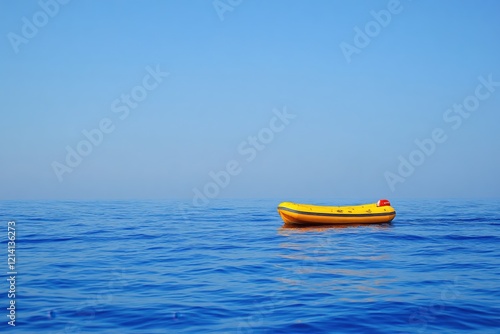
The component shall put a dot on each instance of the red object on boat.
(383, 202)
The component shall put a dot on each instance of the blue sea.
(231, 267)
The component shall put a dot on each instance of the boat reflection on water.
(326, 227)
(339, 261)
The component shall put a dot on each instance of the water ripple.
(167, 267)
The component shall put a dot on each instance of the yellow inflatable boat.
(306, 214)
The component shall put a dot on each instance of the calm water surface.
(168, 267)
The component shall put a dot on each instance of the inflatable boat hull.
(306, 214)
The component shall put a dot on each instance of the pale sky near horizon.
(262, 99)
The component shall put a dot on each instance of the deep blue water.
(168, 267)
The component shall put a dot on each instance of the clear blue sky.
(354, 119)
